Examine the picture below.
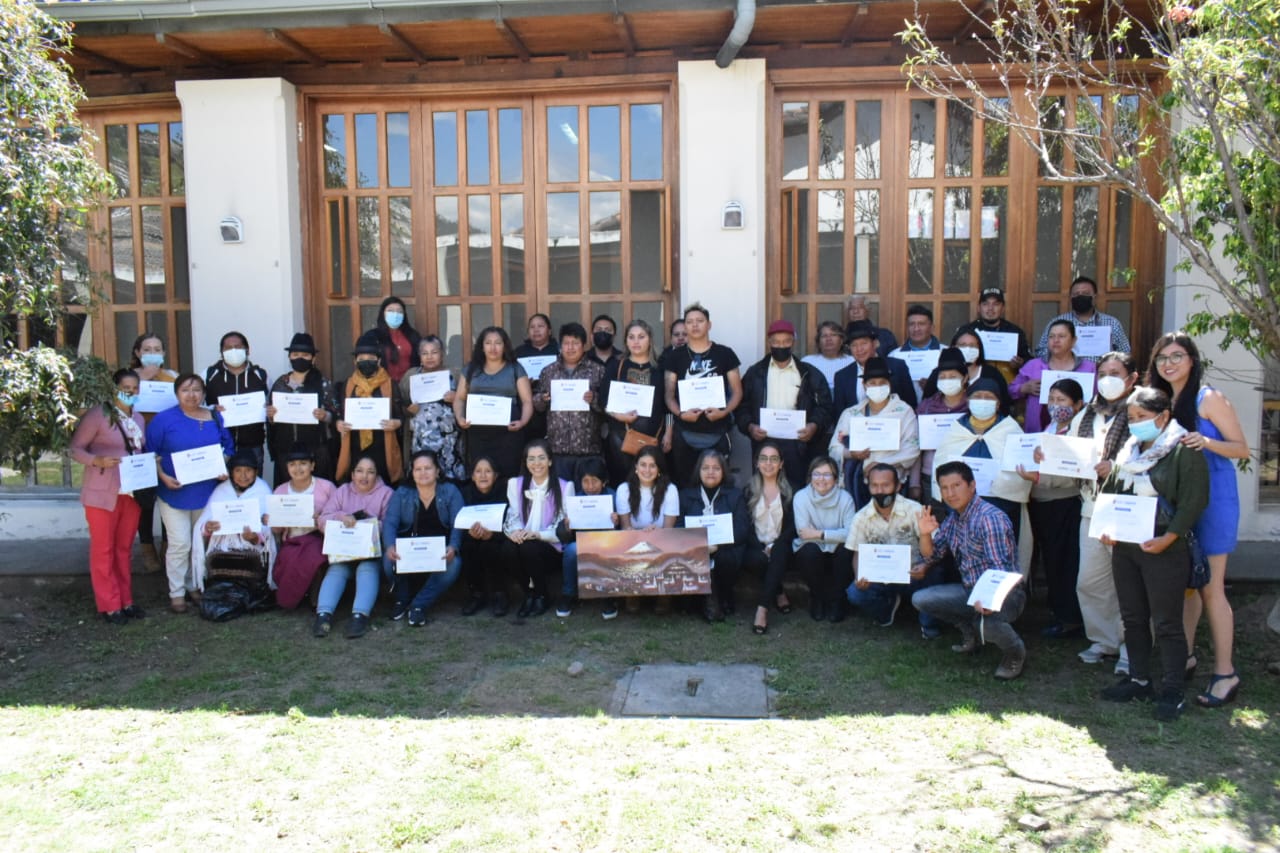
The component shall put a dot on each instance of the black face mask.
(300, 365)
(1082, 304)
(780, 354)
(602, 340)
(367, 368)
(884, 501)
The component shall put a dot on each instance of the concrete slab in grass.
(735, 691)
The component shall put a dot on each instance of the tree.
(48, 175)
(1177, 104)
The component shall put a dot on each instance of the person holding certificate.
(242, 556)
(631, 427)
(148, 362)
(235, 374)
(1084, 297)
(787, 400)
(590, 481)
(770, 529)
(104, 435)
(487, 554)
(715, 496)
(493, 372)
(535, 507)
(700, 424)
(920, 338)
(299, 552)
(951, 381)
(1152, 576)
(976, 367)
(431, 425)
(539, 344)
(884, 406)
(364, 499)
(1026, 385)
(849, 389)
(370, 381)
(303, 377)
(991, 321)
(187, 426)
(573, 423)
(823, 513)
(648, 500)
(426, 507)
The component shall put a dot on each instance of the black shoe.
(498, 605)
(358, 626)
(728, 605)
(610, 610)
(817, 609)
(711, 610)
(540, 605)
(133, 611)
(564, 606)
(323, 625)
(398, 610)
(835, 611)
(1126, 690)
(417, 617)
(1061, 630)
(116, 617)
(1170, 706)
(473, 605)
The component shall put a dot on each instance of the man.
(979, 537)
(603, 330)
(781, 381)
(890, 519)
(1084, 295)
(882, 404)
(920, 338)
(991, 319)
(235, 374)
(697, 428)
(573, 435)
(856, 311)
(849, 388)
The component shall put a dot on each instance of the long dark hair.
(477, 350)
(659, 486)
(526, 478)
(383, 331)
(1184, 404)
(135, 359)
(755, 489)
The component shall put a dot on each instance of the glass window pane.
(866, 243)
(1053, 118)
(562, 144)
(1041, 314)
(77, 331)
(651, 313)
(513, 318)
(367, 172)
(795, 141)
(920, 241)
(959, 140)
(153, 278)
(369, 316)
(606, 242)
(177, 168)
(481, 316)
(1120, 278)
(1084, 232)
(830, 241)
(647, 261)
(567, 312)
(831, 140)
(611, 309)
(158, 322)
(954, 315)
(447, 272)
(118, 159)
(957, 251)
(604, 143)
(1122, 310)
(803, 229)
(797, 313)
(866, 152)
(1127, 122)
(646, 142)
(399, 173)
(335, 152)
(126, 323)
(449, 328)
(510, 146)
(341, 339)
(184, 340)
(338, 274)
(564, 265)
(369, 222)
(1048, 239)
(400, 233)
(513, 244)
(477, 147)
(444, 135)
(178, 249)
(924, 134)
(995, 202)
(122, 274)
(73, 239)
(995, 143)
(479, 246)
(148, 159)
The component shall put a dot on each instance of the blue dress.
(1217, 526)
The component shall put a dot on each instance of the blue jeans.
(368, 574)
(569, 564)
(436, 584)
(877, 599)
(949, 602)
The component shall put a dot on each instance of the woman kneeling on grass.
(363, 500)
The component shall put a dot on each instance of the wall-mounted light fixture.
(731, 216)
(232, 229)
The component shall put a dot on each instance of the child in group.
(591, 476)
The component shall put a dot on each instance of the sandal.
(761, 629)
(1207, 699)
(782, 604)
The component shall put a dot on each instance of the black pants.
(726, 565)
(486, 562)
(827, 575)
(772, 566)
(684, 458)
(146, 499)
(536, 560)
(1150, 589)
(1056, 526)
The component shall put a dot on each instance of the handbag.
(1198, 573)
(634, 441)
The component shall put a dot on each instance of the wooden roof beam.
(105, 61)
(294, 46)
(623, 25)
(985, 9)
(512, 38)
(181, 48)
(403, 41)
(851, 28)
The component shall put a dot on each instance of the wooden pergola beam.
(294, 46)
(105, 61)
(513, 39)
(181, 48)
(623, 26)
(415, 53)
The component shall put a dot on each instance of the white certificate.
(421, 554)
(719, 527)
(984, 471)
(999, 346)
(242, 409)
(291, 510)
(933, 428)
(993, 587)
(428, 387)
(707, 393)
(235, 516)
(884, 563)
(781, 423)
(1051, 376)
(356, 542)
(1092, 341)
(488, 410)
(566, 395)
(1021, 450)
(874, 434)
(489, 516)
(138, 472)
(1125, 518)
(590, 512)
(199, 464)
(627, 397)
(919, 362)
(366, 412)
(154, 396)
(295, 408)
(1069, 456)
(534, 365)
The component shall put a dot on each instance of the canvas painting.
(670, 561)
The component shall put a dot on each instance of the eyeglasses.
(772, 459)
(822, 475)
(1172, 358)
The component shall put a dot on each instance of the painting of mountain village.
(668, 561)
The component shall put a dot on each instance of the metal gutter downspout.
(743, 20)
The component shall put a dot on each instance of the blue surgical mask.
(1144, 431)
(394, 319)
(129, 400)
(151, 359)
(983, 410)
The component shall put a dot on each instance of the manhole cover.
(693, 690)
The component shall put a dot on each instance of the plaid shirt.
(1119, 341)
(980, 538)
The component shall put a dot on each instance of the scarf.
(359, 386)
(708, 501)
(1135, 463)
(1117, 432)
(536, 497)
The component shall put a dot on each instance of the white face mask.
(970, 354)
(878, 393)
(950, 387)
(235, 357)
(1110, 387)
(983, 410)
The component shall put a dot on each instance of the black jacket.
(814, 396)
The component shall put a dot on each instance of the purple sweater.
(347, 501)
(96, 435)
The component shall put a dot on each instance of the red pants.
(110, 545)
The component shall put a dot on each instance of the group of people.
(863, 443)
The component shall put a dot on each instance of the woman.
(494, 372)
(715, 495)
(538, 343)
(640, 367)
(104, 435)
(974, 353)
(1151, 577)
(431, 425)
(187, 426)
(246, 556)
(235, 374)
(148, 362)
(880, 403)
(770, 528)
(371, 380)
(831, 356)
(364, 499)
(1026, 385)
(648, 500)
(1213, 429)
(823, 513)
(303, 378)
(427, 507)
(486, 554)
(299, 551)
(590, 478)
(946, 394)
(535, 506)
(395, 336)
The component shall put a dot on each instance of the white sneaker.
(1096, 653)
(1122, 665)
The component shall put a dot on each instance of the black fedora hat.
(302, 342)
